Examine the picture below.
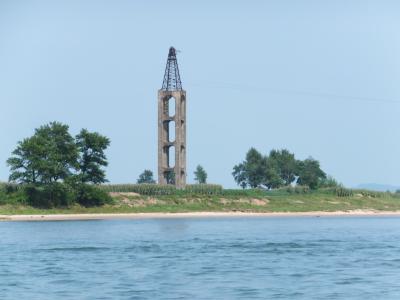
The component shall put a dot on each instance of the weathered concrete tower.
(172, 126)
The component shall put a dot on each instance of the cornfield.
(156, 189)
(142, 189)
(343, 192)
(204, 189)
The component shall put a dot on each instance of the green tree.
(272, 178)
(310, 173)
(25, 161)
(200, 175)
(91, 146)
(255, 168)
(146, 177)
(239, 174)
(251, 172)
(285, 164)
(48, 156)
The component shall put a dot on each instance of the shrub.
(91, 195)
(51, 195)
(9, 188)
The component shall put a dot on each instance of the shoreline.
(113, 216)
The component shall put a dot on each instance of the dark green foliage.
(91, 146)
(47, 157)
(91, 195)
(254, 168)
(272, 179)
(146, 177)
(50, 195)
(200, 175)
(285, 164)
(53, 168)
(251, 172)
(240, 176)
(310, 173)
(25, 162)
(277, 169)
(9, 188)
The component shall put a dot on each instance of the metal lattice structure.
(172, 126)
(172, 79)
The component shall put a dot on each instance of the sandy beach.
(96, 216)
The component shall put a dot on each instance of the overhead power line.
(327, 96)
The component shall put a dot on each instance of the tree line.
(58, 169)
(278, 168)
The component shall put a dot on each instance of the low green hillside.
(299, 199)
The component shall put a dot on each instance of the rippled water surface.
(214, 258)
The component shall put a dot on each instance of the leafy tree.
(286, 165)
(272, 178)
(200, 175)
(239, 174)
(25, 162)
(91, 146)
(146, 177)
(48, 156)
(251, 172)
(57, 168)
(278, 169)
(310, 173)
(255, 168)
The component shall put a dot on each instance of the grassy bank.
(284, 200)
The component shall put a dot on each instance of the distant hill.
(378, 187)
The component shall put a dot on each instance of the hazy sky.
(320, 78)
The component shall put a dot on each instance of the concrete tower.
(172, 126)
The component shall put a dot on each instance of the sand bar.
(110, 216)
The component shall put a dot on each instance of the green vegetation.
(200, 175)
(53, 172)
(285, 199)
(156, 190)
(279, 168)
(53, 169)
(146, 177)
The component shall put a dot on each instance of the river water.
(202, 258)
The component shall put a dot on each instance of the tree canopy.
(277, 169)
(200, 175)
(48, 156)
(146, 177)
(91, 146)
(53, 155)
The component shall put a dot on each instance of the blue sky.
(320, 78)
